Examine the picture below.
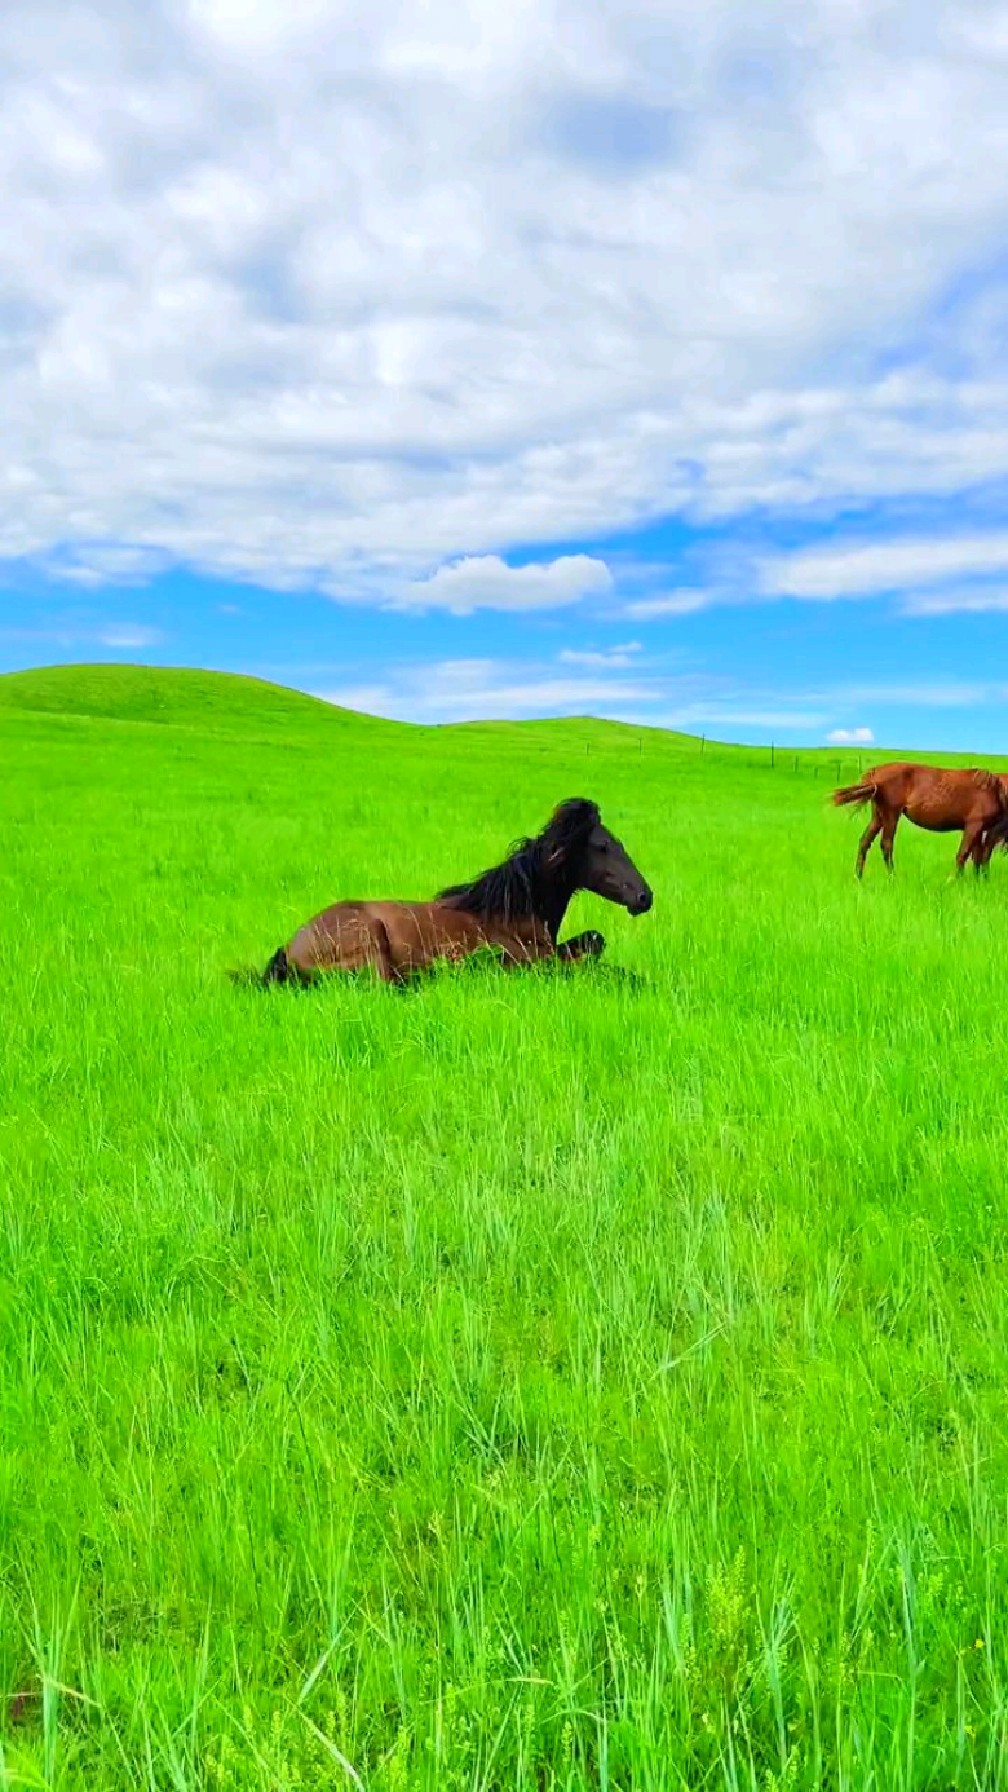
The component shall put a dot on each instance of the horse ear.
(579, 814)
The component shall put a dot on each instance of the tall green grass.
(519, 1381)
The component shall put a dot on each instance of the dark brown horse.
(935, 798)
(516, 909)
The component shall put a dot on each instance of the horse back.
(947, 797)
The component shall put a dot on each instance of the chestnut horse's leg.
(889, 825)
(982, 853)
(874, 827)
(972, 841)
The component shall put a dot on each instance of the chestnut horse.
(935, 798)
(516, 909)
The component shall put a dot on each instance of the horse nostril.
(643, 903)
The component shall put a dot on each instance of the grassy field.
(519, 1381)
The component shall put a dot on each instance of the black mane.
(536, 878)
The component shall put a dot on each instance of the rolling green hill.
(182, 698)
(542, 1380)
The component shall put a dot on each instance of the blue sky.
(454, 364)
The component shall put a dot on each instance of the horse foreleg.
(874, 828)
(517, 954)
(521, 951)
(582, 945)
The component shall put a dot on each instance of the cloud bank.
(368, 298)
(634, 687)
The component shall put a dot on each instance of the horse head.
(539, 876)
(577, 843)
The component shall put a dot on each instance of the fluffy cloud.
(333, 293)
(850, 737)
(486, 582)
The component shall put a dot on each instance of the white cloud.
(614, 658)
(920, 694)
(490, 690)
(862, 570)
(333, 293)
(75, 633)
(674, 603)
(655, 695)
(102, 563)
(714, 717)
(486, 582)
(850, 737)
(495, 689)
(958, 600)
(129, 634)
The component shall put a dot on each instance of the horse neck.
(553, 899)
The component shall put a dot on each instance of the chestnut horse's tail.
(854, 793)
(279, 970)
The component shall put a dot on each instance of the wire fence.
(815, 760)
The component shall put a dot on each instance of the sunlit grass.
(520, 1380)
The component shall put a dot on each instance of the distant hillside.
(228, 703)
(216, 701)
